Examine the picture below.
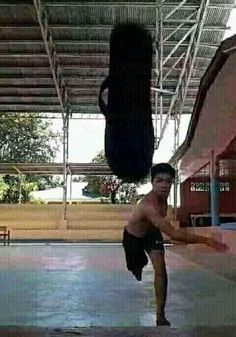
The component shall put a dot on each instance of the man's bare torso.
(139, 223)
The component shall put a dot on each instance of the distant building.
(56, 194)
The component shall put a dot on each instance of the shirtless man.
(143, 234)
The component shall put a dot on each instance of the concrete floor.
(229, 331)
(88, 285)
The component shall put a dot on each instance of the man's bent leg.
(160, 284)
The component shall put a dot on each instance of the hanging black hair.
(162, 168)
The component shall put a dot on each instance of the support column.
(214, 191)
(176, 189)
(159, 71)
(70, 188)
(176, 166)
(20, 184)
(65, 159)
(69, 171)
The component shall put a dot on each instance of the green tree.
(108, 186)
(26, 138)
(101, 186)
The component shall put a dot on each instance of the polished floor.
(88, 285)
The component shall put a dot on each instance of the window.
(224, 186)
(204, 186)
(199, 186)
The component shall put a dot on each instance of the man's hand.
(216, 244)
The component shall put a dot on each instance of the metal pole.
(70, 187)
(69, 171)
(174, 65)
(214, 191)
(179, 44)
(20, 185)
(175, 9)
(176, 181)
(160, 22)
(157, 71)
(65, 159)
(175, 193)
(20, 189)
(177, 28)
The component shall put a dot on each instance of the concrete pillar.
(214, 191)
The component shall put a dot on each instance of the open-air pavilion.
(54, 55)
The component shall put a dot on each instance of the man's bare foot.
(162, 321)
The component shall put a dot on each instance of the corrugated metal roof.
(81, 32)
(55, 168)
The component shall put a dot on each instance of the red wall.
(192, 202)
(227, 200)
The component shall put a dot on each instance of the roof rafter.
(188, 6)
(108, 26)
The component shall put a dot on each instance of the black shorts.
(153, 241)
(136, 248)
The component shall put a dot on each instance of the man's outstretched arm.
(178, 235)
(186, 237)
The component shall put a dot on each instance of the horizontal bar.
(93, 43)
(46, 78)
(79, 116)
(129, 4)
(45, 113)
(75, 3)
(96, 27)
(30, 104)
(4, 70)
(28, 99)
(163, 91)
(79, 56)
(77, 100)
(23, 55)
(179, 21)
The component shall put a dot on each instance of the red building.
(209, 150)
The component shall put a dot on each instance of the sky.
(86, 137)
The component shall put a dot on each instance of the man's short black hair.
(162, 168)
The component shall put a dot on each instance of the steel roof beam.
(6, 82)
(188, 6)
(79, 116)
(11, 70)
(79, 55)
(96, 27)
(77, 113)
(130, 4)
(92, 42)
